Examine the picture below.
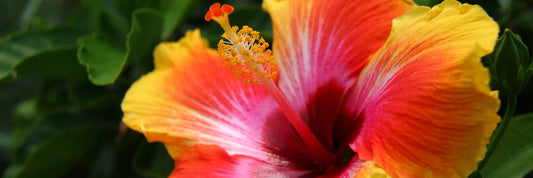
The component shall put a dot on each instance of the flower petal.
(357, 168)
(192, 98)
(213, 161)
(317, 41)
(423, 104)
(321, 46)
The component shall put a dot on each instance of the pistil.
(324, 158)
(247, 55)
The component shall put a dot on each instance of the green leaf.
(18, 47)
(24, 115)
(126, 7)
(111, 20)
(104, 161)
(174, 13)
(475, 174)
(54, 156)
(29, 11)
(84, 18)
(56, 62)
(513, 156)
(103, 58)
(10, 17)
(6, 141)
(11, 95)
(429, 3)
(98, 5)
(152, 160)
(145, 31)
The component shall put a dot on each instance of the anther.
(243, 50)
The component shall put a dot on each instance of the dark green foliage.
(513, 156)
(25, 47)
(509, 64)
(66, 64)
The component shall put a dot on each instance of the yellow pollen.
(243, 51)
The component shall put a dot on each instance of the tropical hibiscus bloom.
(350, 88)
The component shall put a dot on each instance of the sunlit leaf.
(513, 156)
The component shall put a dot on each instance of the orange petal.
(192, 98)
(424, 101)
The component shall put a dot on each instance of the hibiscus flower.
(351, 88)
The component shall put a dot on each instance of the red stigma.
(216, 10)
(208, 16)
(227, 8)
(214, 6)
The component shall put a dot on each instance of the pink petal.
(321, 46)
(213, 161)
(317, 41)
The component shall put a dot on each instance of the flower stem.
(509, 112)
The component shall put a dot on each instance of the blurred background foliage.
(66, 64)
